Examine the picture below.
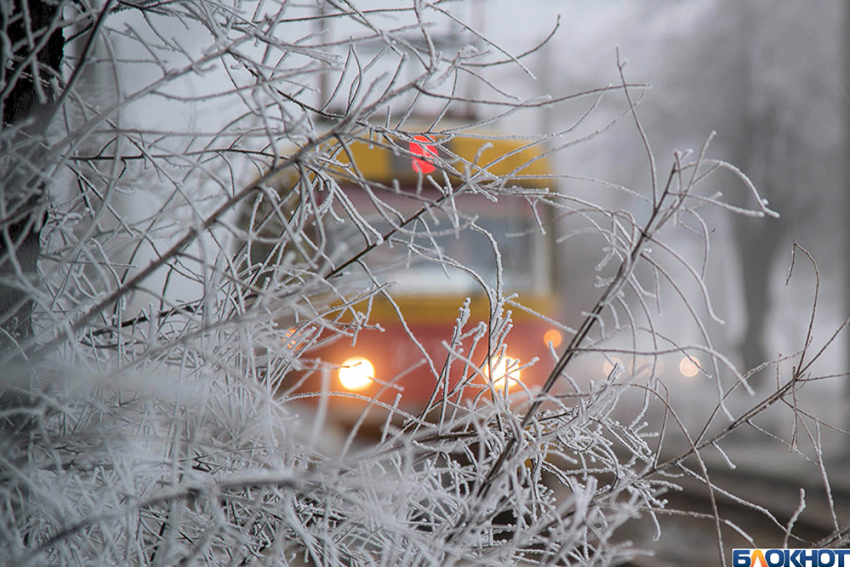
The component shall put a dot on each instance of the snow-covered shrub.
(191, 157)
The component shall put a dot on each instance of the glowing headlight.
(689, 367)
(356, 373)
(504, 368)
(553, 336)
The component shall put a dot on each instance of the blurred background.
(767, 77)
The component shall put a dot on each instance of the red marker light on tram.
(419, 164)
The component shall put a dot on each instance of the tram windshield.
(412, 257)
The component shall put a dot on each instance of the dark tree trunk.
(758, 240)
(26, 99)
(758, 244)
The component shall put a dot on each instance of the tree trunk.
(758, 244)
(25, 99)
(758, 240)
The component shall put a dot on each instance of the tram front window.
(474, 250)
(416, 269)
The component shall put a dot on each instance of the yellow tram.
(392, 349)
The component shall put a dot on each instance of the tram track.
(761, 506)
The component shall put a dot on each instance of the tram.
(395, 348)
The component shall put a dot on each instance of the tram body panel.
(395, 355)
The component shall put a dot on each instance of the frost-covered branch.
(238, 192)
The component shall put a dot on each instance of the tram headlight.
(356, 373)
(689, 366)
(505, 369)
(552, 336)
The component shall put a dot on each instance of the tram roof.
(383, 159)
